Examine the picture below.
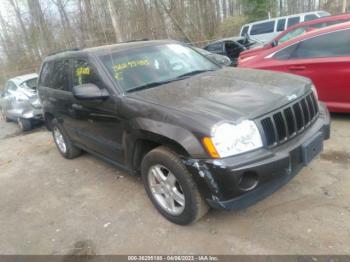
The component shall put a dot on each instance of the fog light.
(248, 181)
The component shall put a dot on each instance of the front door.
(99, 126)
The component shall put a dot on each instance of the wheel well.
(48, 118)
(143, 146)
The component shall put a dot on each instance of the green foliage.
(257, 9)
(230, 26)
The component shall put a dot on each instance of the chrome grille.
(289, 121)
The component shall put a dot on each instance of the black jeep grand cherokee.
(200, 135)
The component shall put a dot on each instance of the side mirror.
(274, 43)
(89, 91)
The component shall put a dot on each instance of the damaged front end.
(236, 182)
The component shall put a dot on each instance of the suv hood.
(228, 94)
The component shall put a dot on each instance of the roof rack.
(62, 51)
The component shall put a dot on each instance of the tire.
(24, 124)
(64, 144)
(191, 206)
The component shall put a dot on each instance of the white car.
(19, 101)
(266, 30)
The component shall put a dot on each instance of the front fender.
(180, 135)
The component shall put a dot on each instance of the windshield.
(292, 34)
(153, 65)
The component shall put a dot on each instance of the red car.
(322, 55)
(296, 30)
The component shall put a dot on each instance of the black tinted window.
(280, 25)
(310, 17)
(216, 48)
(83, 73)
(328, 45)
(263, 28)
(244, 30)
(293, 21)
(45, 77)
(60, 75)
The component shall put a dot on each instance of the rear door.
(326, 60)
(59, 97)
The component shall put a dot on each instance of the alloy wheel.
(166, 190)
(59, 140)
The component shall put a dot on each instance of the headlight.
(230, 139)
(313, 88)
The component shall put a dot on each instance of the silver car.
(19, 101)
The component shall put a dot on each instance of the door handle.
(77, 107)
(297, 68)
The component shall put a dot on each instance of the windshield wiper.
(153, 84)
(149, 85)
(196, 72)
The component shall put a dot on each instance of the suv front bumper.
(237, 182)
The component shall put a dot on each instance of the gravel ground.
(50, 205)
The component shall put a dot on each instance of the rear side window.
(245, 30)
(329, 45)
(44, 79)
(11, 86)
(281, 24)
(310, 17)
(263, 28)
(84, 73)
(215, 48)
(293, 21)
(60, 76)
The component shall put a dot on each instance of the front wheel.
(171, 188)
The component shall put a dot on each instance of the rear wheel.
(171, 188)
(64, 144)
(24, 124)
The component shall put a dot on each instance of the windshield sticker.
(119, 68)
(82, 71)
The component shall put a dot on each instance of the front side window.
(154, 65)
(60, 76)
(263, 28)
(333, 44)
(293, 21)
(84, 73)
(281, 24)
(286, 53)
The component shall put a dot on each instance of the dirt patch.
(338, 157)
